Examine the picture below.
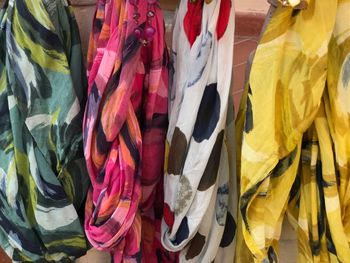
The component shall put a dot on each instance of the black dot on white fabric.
(196, 246)
(229, 231)
(211, 170)
(177, 152)
(183, 232)
(208, 114)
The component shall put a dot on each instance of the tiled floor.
(260, 6)
(242, 48)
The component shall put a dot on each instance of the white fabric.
(207, 62)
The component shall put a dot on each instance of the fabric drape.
(124, 133)
(199, 210)
(295, 138)
(43, 179)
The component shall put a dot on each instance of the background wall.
(259, 6)
(241, 5)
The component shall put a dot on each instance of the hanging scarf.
(124, 133)
(295, 118)
(43, 179)
(199, 217)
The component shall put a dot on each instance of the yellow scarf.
(294, 148)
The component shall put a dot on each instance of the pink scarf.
(124, 133)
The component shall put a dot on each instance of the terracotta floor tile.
(3, 257)
(249, 23)
(239, 39)
(238, 77)
(242, 51)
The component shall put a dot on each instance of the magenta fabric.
(124, 133)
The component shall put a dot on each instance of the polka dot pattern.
(196, 246)
(199, 167)
(177, 152)
(211, 170)
(168, 215)
(229, 232)
(182, 232)
(224, 17)
(208, 114)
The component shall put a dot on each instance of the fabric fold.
(297, 106)
(42, 167)
(199, 210)
(124, 131)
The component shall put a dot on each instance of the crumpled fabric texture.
(295, 138)
(199, 210)
(124, 133)
(43, 179)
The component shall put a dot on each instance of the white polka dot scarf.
(200, 188)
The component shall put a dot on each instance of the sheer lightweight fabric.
(124, 134)
(43, 179)
(295, 142)
(200, 188)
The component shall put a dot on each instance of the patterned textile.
(200, 187)
(43, 179)
(124, 134)
(295, 119)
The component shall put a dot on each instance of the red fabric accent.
(168, 216)
(224, 16)
(193, 20)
